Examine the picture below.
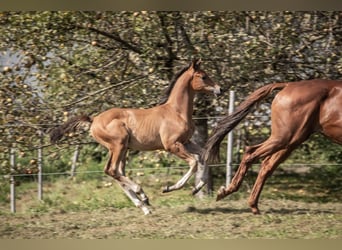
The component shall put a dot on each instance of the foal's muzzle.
(217, 91)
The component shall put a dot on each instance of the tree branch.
(180, 25)
(103, 90)
(168, 46)
(114, 36)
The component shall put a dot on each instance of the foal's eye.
(204, 77)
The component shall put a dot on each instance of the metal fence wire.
(229, 164)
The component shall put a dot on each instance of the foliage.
(55, 64)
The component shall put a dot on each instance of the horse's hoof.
(166, 189)
(195, 191)
(146, 210)
(221, 194)
(219, 197)
(146, 202)
(255, 210)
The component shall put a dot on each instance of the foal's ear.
(196, 63)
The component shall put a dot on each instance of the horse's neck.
(182, 97)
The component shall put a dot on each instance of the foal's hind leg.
(115, 168)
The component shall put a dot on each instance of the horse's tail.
(226, 124)
(69, 126)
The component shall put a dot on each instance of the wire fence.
(229, 164)
(40, 174)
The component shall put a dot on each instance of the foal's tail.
(69, 126)
(226, 124)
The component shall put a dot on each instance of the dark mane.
(168, 90)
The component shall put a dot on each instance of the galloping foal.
(298, 110)
(168, 126)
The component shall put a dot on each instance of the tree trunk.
(200, 137)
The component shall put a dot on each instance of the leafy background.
(56, 64)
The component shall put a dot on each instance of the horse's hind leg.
(134, 197)
(252, 154)
(239, 175)
(137, 189)
(268, 165)
(115, 168)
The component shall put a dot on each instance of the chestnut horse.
(298, 110)
(168, 126)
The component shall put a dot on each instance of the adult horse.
(168, 126)
(298, 110)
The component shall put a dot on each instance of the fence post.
(12, 180)
(74, 160)
(40, 166)
(230, 141)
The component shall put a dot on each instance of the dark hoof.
(147, 202)
(195, 191)
(255, 210)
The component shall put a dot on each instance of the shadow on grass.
(297, 211)
(319, 185)
(216, 210)
(281, 211)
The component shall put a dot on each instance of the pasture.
(87, 62)
(294, 205)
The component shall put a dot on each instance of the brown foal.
(168, 126)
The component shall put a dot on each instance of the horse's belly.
(145, 143)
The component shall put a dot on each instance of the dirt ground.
(204, 219)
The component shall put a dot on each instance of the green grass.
(84, 194)
(293, 205)
(97, 208)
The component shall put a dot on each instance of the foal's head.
(201, 82)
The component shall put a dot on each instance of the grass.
(84, 194)
(292, 205)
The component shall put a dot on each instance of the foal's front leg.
(202, 167)
(193, 160)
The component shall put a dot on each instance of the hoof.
(221, 194)
(146, 202)
(255, 210)
(166, 189)
(195, 191)
(146, 210)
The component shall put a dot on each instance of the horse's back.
(301, 100)
(315, 105)
(303, 92)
